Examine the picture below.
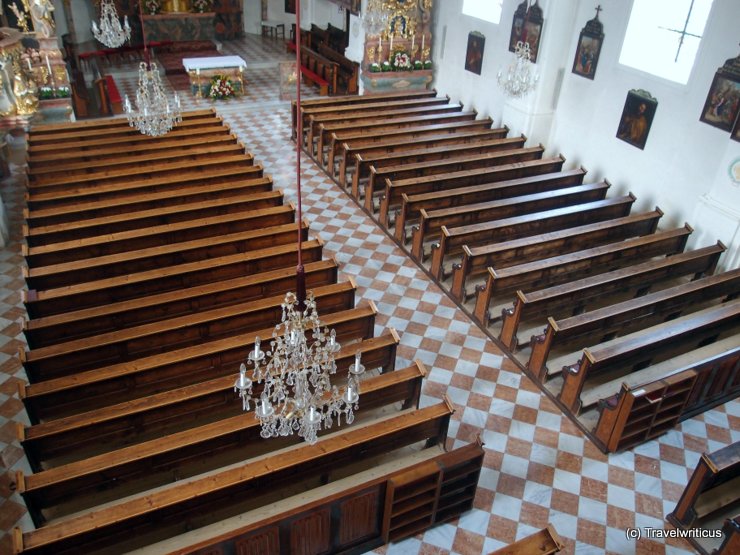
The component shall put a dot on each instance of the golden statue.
(42, 17)
(7, 103)
(25, 91)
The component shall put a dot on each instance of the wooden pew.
(633, 351)
(453, 239)
(319, 70)
(349, 152)
(230, 434)
(120, 188)
(415, 152)
(216, 129)
(653, 400)
(712, 488)
(415, 185)
(140, 219)
(455, 472)
(509, 204)
(99, 178)
(381, 129)
(544, 542)
(61, 172)
(92, 137)
(574, 296)
(623, 317)
(321, 127)
(46, 330)
(171, 198)
(154, 236)
(411, 205)
(188, 274)
(476, 260)
(201, 495)
(157, 337)
(349, 71)
(102, 267)
(55, 129)
(561, 269)
(380, 177)
(356, 100)
(420, 131)
(84, 391)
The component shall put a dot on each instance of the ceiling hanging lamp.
(154, 112)
(110, 33)
(290, 384)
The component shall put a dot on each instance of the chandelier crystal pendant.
(521, 77)
(296, 394)
(155, 114)
(110, 32)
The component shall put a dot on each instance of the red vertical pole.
(300, 272)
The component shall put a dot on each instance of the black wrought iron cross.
(682, 32)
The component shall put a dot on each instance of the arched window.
(487, 10)
(663, 37)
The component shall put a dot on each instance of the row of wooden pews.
(323, 62)
(153, 264)
(602, 305)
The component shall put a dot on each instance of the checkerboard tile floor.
(538, 468)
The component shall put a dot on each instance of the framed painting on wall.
(723, 101)
(589, 48)
(474, 54)
(736, 130)
(289, 6)
(637, 118)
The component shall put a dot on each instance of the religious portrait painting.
(637, 118)
(735, 134)
(289, 6)
(589, 48)
(474, 54)
(526, 27)
(723, 102)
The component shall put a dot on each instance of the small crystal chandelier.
(154, 114)
(297, 395)
(521, 77)
(375, 19)
(110, 33)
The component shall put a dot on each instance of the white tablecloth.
(217, 62)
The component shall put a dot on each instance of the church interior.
(473, 265)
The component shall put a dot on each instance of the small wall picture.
(589, 48)
(637, 117)
(289, 6)
(474, 55)
(723, 102)
(736, 130)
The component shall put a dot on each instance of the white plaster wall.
(83, 13)
(319, 12)
(683, 158)
(253, 16)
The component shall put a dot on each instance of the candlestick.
(29, 64)
(412, 43)
(422, 43)
(48, 65)
(390, 53)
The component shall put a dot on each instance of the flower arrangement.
(152, 6)
(221, 88)
(202, 6)
(63, 92)
(386, 66)
(428, 64)
(374, 67)
(418, 65)
(402, 61)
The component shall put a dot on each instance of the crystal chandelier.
(296, 394)
(521, 77)
(375, 18)
(155, 113)
(110, 33)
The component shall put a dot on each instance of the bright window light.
(487, 10)
(663, 37)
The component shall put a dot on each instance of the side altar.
(398, 43)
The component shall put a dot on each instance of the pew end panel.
(545, 542)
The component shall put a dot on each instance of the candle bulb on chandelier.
(256, 348)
